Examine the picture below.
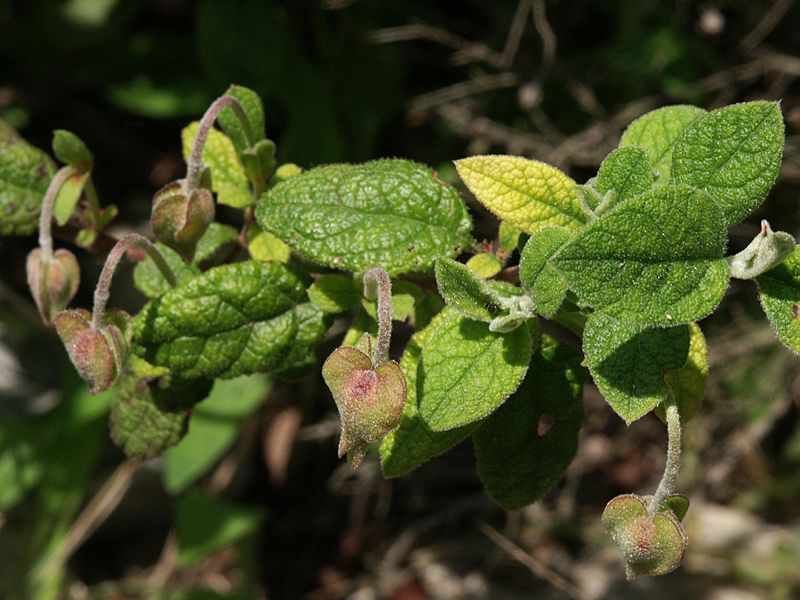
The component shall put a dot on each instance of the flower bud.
(98, 354)
(53, 283)
(370, 399)
(179, 219)
(650, 544)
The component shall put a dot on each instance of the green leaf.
(527, 193)
(734, 153)
(467, 293)
(542, 281)
(232, 320)
(206, 524)
(335, 293)
(656, 259)
(312, 323)
(266, 247)
(71, 150)
(656, 133)
(518, 461)
(628, 362)
(467, 371)
(626, 172)
(779, 292)
(139, 425)
(68, 196)
(688, 384)
(392, 213)
(412, 444)
(485, 265)
(149, 280)
(508, 238)
(25, 173)
(213, 429)
(228, 179)
(253, 109)
(215, 241)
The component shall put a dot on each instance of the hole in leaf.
(544, 424)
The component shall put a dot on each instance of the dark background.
(346, 80)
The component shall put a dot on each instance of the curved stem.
(46, 215)
(103, 288)
(377, 284)
(194, 166)
(673, 465)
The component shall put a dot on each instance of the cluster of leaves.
(629, 261)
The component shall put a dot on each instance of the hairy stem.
(195, 165)
(377, 284)
(46, 216)
(673, 465)
(103, 288)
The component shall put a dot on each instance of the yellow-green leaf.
(527, 193)
(228, 179)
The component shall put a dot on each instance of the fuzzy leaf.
(626, 172)
(542, 281)
(485, 265)
(68, 196)
(411, 444)
(779, 292)
(25, 172)
(655, 259)
(149, 280)
(467, 371)
(266, 247)
(518, 462)
(335, 293)
(628, 362)
(215, 241)
(734, 154)
(228, 179)
(312, 323)
(688, 384)
(71, 150)
(508, 238)
(141, 427)
(656, 133)
(462, 289)
(527, 193)
(253, 108)
(394, 213)
(232, 320)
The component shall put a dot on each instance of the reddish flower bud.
(370, 399)
(179, 219)
(650, 544)
(98, 354)
(53, 283)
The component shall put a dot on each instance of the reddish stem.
(377, 284)
(46, 215)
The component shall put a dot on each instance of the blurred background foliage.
(253, 503)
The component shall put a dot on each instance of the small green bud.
(98, 354)
(180, 218)
(287, 171)
(650, 544)
(259, 161)
(53, 283)
(369, 399)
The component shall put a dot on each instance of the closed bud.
(97, 354)
(180, 218)
(370, 399)
(53, 283)
(650, 544)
